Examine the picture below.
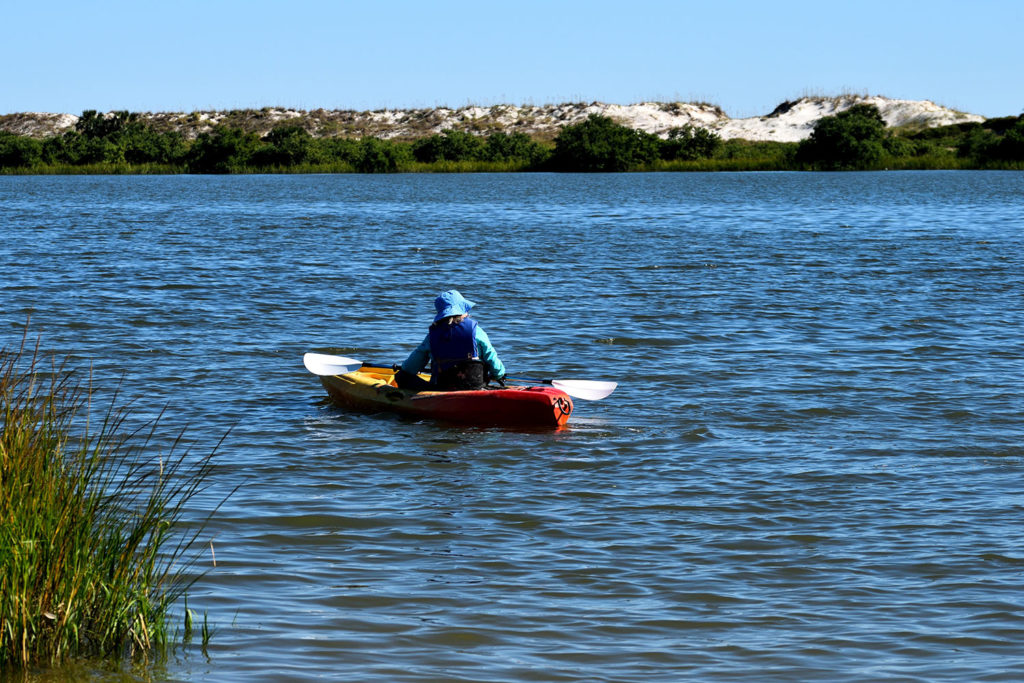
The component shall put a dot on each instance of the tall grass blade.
(96, 543)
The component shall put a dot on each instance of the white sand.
(791, 122)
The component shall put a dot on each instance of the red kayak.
(374, 389)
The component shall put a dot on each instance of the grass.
(94, 169)
(716, 165)
(467, 167)
(94, 544)
(735, 156)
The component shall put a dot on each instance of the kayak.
(374, 389)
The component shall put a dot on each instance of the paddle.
(588, 390)
(322, 364)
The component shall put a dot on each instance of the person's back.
(455, 358)
(459, 352)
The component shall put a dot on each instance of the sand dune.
(789, 122)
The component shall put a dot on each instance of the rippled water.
(812, 469)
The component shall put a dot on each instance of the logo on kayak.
(563, 406)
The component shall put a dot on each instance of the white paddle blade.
(586, 389)
(322, 364)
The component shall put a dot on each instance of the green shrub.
(450, 145)
(1001, 125)
(600, 144)
(851, 139)
(1011, 146)
(338, 151)
(689, 143)
(978, 144)
(143, 145)
(223, 150)
(899, 147)
(17, 151)
(515, 147)
(381, 156)
(92, 124)
(286, 146)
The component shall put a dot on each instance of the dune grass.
(95, 547)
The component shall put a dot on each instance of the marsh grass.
(468, 166)
(716, 165)
(442, 166)
(95, 169)
(95, 547)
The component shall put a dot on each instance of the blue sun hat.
(451, 303)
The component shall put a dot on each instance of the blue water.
(811, 470)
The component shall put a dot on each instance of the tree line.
(858, 139)
(124, 139)
(853, 139)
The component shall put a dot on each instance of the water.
(811, 470)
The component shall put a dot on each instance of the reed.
(468, 166)
(716, 165)
(95, 547)
(94, 169)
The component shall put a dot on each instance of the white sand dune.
(790, 122)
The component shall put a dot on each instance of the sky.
(66, 56)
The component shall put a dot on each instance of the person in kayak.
(458, 350)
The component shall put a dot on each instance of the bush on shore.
(851, 139)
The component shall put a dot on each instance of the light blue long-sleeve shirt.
(420, 357)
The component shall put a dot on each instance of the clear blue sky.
(747, 57)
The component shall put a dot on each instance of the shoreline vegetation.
(96, 545)
(854, 139)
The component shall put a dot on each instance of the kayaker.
(458, 350)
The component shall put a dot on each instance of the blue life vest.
(451, 344)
